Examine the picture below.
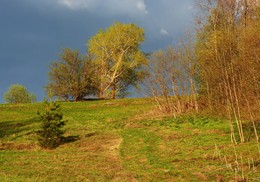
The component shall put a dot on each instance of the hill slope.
(118, 141)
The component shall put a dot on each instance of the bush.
(18, 94)
(50, 135)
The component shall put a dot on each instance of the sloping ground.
(118, 141)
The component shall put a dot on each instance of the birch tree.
(117, 57)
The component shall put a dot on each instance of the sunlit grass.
(119, 141)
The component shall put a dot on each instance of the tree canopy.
(118, 58)
(71, 76)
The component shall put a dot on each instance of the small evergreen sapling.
(50, 135)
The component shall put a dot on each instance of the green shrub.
(18, 94)
(50, 135)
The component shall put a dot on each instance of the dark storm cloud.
(33, 32)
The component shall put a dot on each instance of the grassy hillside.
(119, 141)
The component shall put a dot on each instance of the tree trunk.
(101, 94)
(113, 90)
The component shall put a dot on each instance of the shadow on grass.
(9, 128)
(74, 138)
(70, 139)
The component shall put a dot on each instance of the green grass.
(120, 141)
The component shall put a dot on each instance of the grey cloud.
(131, 8)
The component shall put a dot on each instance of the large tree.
(118, 58)
(71, 76)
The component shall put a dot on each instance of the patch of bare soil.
(113, 147)
(105, 144)
(17, 146)
(99, 143)
(108, 146)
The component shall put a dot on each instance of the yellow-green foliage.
(18, 94)
(118, 58)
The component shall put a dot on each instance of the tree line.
(113, 63)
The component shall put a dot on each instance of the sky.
(33, 32)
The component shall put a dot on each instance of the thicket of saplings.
(217, 72)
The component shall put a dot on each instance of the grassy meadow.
(121, 140)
